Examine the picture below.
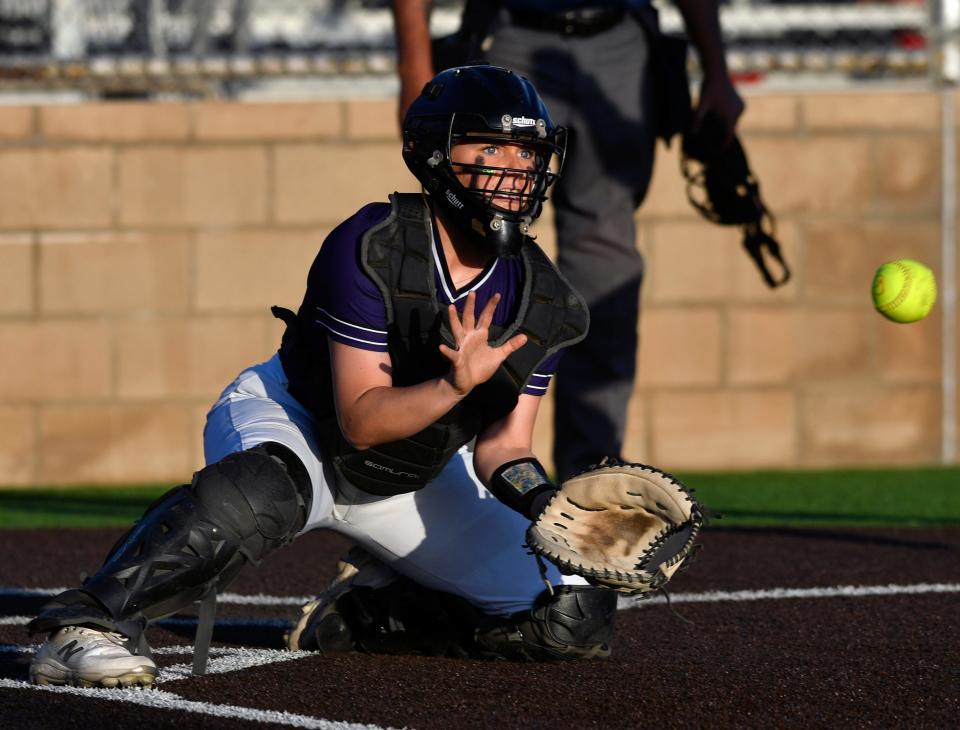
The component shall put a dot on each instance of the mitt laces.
(542, 566)
(666, 595)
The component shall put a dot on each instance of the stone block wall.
(141, 245)
(734, 375)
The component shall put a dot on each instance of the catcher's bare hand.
(474, 360)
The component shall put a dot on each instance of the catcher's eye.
(522, 153)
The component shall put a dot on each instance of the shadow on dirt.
(253, 633)
(14, 662)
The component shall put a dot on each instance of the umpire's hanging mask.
(479, 104)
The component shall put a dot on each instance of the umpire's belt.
(582, 22)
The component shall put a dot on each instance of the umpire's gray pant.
(599, 88)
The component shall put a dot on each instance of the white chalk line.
(232, 659)
(159, 699)
(222, 659)
(625, 602)
(242, 658)
(779, 594)
(271, 623)
(237, 599)
(172, 650)
(240, 599)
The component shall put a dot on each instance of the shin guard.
(190, 542)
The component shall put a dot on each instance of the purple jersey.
(349, 307)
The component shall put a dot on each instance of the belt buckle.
(587, 22)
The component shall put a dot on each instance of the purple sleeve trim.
(365, 338)
(539, 382)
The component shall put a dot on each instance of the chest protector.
(398, 257)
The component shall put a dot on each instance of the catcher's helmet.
(477, 104)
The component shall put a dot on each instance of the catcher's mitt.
(622, 526)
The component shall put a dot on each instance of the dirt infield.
(733, 652)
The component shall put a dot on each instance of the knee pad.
(572, 622)
(262, 495)
(193, 539)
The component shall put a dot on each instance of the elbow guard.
(522, 485)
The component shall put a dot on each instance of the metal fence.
(225, 47)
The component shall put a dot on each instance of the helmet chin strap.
(466, 247)
(499, 235)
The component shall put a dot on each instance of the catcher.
(399, 411)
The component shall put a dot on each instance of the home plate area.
(770, 626)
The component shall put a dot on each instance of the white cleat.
(84, 657)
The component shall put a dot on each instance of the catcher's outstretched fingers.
(486, 316)
(473, 360)
(623, 526)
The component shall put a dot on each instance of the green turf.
(75, 507)
(917, 496)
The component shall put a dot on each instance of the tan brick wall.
(113, 271)
(142, 244)
(283, 122)
(55, 187)
(136, 443)
(878, 111)
(185, 358)
(16, 274)
(16, 123)
(54, 360)
(324, 183)
(681, 346)
(18, 431)
(724, 428)
(809, 374)
(871, 423)
(183, 186)
(130, 122)
(230, 266)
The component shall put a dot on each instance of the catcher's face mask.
(507, 175)
(723, 189)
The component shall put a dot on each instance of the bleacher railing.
(223, 47)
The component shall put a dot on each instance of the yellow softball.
(904, 290)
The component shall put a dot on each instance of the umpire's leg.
(599, 88)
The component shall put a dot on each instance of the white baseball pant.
(452, 535)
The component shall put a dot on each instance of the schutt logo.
(454, 200)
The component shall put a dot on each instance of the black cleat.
(321, 627)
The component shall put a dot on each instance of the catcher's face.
(503, 172)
